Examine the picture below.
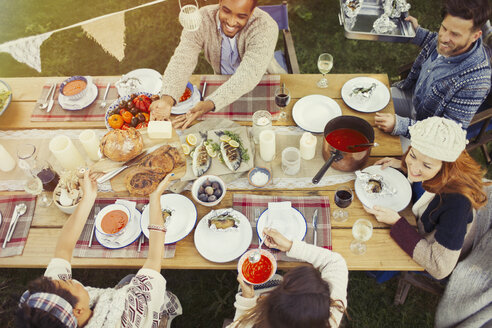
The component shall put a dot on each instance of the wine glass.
(325, 64)
(34, 186)
(282, 99)
(343, 199)
(362, 232)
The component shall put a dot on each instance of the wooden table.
(382, 252)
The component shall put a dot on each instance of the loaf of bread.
(121, 145)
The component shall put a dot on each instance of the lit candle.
(308, 146)
(90, 142)
(267, 145)
(65, 152)
(7, 163)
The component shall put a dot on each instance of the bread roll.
(121, 145)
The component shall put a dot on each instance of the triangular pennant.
(26, 50)
(109, 33)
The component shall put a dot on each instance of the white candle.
(308, 146)
(65, 152)
(90, 142)
(7, 162)
(267, 145)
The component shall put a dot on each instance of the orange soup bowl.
(75, 87)
(113, 220)
(259, 272)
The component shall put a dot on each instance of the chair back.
(279, 14)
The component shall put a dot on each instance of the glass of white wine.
(34, 186)
(325, 64)
(362, 232)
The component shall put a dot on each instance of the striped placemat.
(261, 97)
(19, 237)
(247, 204)
(97, 250)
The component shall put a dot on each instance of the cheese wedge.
(160, 130)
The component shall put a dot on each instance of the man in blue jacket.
(451, 77)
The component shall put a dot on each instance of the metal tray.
(360, 27)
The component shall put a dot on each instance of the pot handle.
(335, 156)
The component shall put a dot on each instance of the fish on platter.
(231, 156)
(201, 161)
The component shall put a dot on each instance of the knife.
(52, 100)
(127, 164)
(315, 227)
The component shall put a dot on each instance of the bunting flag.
(107, 30)
(109, 33)
(26, 50)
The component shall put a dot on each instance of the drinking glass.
(343, 199)
(325, 64)
(34, 186)
(282, 99)
(362, 232)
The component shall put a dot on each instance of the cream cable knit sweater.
(255, 42)
(333, 270)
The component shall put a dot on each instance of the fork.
(44, 105)
(257, 214)
(96, 211)
(103, 104)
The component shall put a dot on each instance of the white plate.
(312, 112)
(293, 227)
(378, 100)
(181, 221)
(150, 81)
(394, 179)
(131, 234)
(185, 106)
(220, 247)
(5, 87)
(79, 104)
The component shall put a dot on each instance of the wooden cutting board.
(118, 182)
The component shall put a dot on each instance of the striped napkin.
(19, 237)
(97, 250)
(92, 113)
(261, 97)
(247, 204)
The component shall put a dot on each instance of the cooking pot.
(343, 160)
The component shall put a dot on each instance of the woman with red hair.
(447, 190)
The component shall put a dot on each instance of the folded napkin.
(279, 217)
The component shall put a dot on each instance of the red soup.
(342, 138)
(114, 221)
(258, 272)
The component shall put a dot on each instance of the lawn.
(152, 33)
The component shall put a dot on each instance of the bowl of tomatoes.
(130, 111)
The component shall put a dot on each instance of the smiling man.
(237, 39)
(450, 77)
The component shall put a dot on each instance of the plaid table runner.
(93, 112)
(97, 250)
(247, 204)
(19, 237)
(261, 97)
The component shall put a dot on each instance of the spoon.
(256, 256)
(103, 104)
(19, 210)
(372, 144)
(44, 105)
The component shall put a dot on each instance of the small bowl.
(65, 209)
(199, 182)
(106, 210)
(255, 170)
(80, 94)
(245, 257)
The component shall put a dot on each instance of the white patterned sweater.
(137, 304)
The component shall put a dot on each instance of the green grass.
(152, 33)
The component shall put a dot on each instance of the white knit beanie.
(438, 138)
